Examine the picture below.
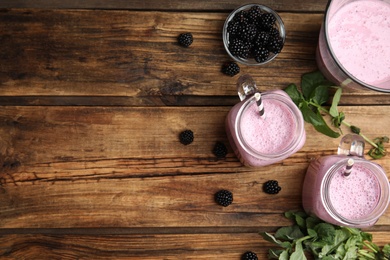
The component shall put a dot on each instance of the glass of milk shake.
(354, 44)
(264, 128)
(346, 189)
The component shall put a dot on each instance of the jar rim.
(383, 197)
(350, 76)
(293, 110)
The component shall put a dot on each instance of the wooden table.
(93, 96)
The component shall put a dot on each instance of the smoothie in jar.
(356, 200)
(263, 140)
(354, 44)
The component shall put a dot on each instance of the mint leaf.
(314, 93)
(379, 151)
(284, 255)
(317, 121)
(289, 233)
(333, 111)
(355, 130)
(299, 253)
(324, 241)
(320, 94)
(337, 120)
(327, 231)
(295, 95)
(272, 239)
(386, 251)
(310, 81)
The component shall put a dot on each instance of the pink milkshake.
(263, 140)
(356, 200)
(354, 44)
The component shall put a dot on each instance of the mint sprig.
(315, 92)
(309, 235)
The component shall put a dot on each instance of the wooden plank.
(132, 58)
(201, 5)
(76, 167)
(152, 246)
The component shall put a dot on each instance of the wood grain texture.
(74, 167)
(167, 246)
(93, 96)
(132, 58)
(202, 5)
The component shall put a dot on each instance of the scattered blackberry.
(220, 150)
(185, 39)
(267, 20)
(186, 137)
(224, 198)
(230, 68)
(239, 48)
(271, 187)
(260, 54)
(249, 256)
(275, 44)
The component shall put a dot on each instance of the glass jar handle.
(351, 144)
(246, 87)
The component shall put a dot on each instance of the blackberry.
(249, 256)
(275, 44)
(241, 17)
(230, 68)
(239, 48)
(233, 27)
(220, 150)
(186, 137)
(271, 187)
(185, 39)
(251, 29)
(267, 20)
(224, 198)
(273, 32)
(254, 14)
(260, 54)
(247, 32)
(262, 39)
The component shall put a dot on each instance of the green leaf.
(272, 239)
(386, 251)
(312, 233)
(289, 233)
(310, 81)
(340, 251)
(284, 255)
(312, 221)
(333, 111)
(320, 94)
(317, 121)
(379, 151)
(351, 253)
(295, 95)
(336, 121)
(366, 236)
(355, 130)
(275, 253)
(326, 231)
(299, 254)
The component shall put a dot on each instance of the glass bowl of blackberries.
(253, 34)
